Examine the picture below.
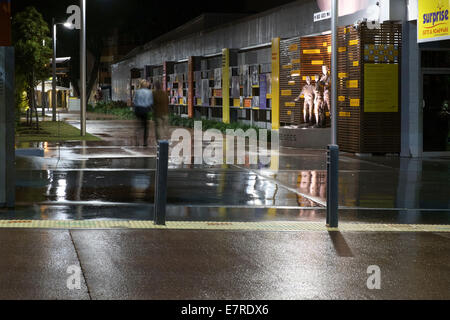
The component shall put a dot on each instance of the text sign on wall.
(324, 15)
(433, 20)
(381, 88)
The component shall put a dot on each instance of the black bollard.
(162, 165)
(333, 186)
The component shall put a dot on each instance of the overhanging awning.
(48, 87)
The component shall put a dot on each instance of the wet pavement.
(114, 179)
(176, 264)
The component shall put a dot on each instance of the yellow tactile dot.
(217, 225)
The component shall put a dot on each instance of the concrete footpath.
(189, 264)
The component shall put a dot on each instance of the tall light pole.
(333, 149)
(83, 102)
(54, 73)
(334, 69)
(43, 91)
(54, 97)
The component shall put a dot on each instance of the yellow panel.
(344, 114)
(353, 42)
(293, 47)
(317, 62)
(329, 49)
(291, 83)
(269, 96)
(325, 44)
(226, 85)
(295, 61)
(295, 73)
(236, 102)
(342, 49)
(355, 103)
(288, 66)
(353, 84)
(341, 98)
(276, 84)
(342, 75)
(311, 51)
(289, 104)
(381, 88)
(356, 63)
(289, 113)
(286, 93)
(199, 101)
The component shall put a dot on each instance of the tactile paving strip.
(230, 226)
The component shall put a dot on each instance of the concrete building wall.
(412, 112)
(288, 21)
(294, 20)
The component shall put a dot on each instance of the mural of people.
(326, 83)
(308, 107)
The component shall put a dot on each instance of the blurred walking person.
(143, 103)
(161, 112)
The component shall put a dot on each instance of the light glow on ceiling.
(346, 7)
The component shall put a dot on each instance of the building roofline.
(243, 18)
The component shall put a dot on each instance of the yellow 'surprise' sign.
(433, 20)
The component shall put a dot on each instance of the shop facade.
(256, 70)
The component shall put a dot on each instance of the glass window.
(436, 59)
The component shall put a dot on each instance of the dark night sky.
(149, 18)
(139, 20)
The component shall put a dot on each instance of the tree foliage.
(30, 34)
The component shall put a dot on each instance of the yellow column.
(276, 84)
(226, 85)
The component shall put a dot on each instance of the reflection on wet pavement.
(114, 179)
(188, 187)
